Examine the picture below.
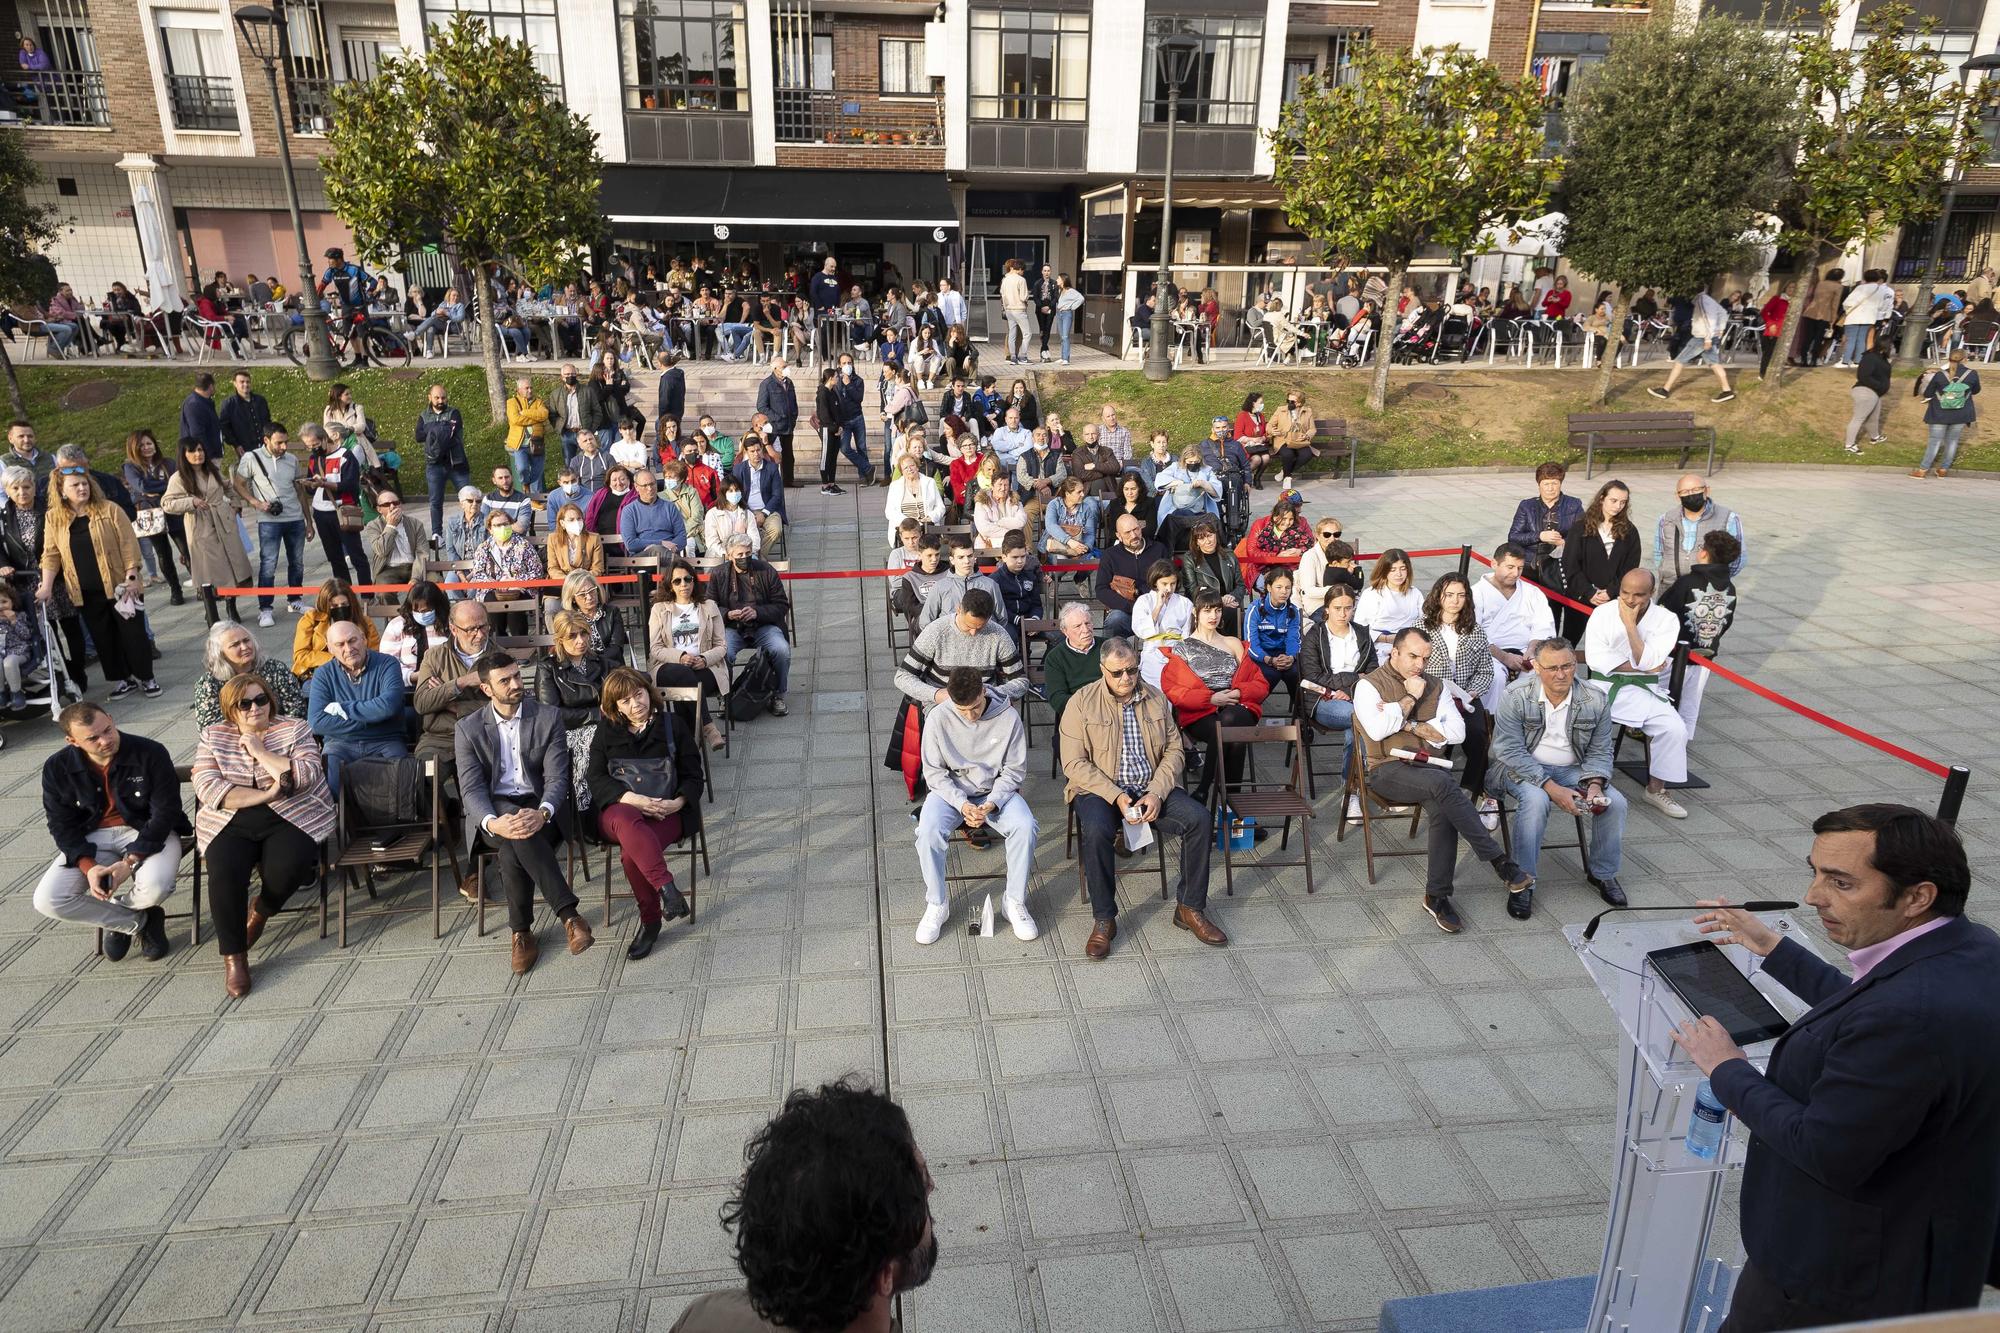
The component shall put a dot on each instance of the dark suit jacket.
(1874, 1170)
(673, 393)
(779, 402)
(773, 485)
(200, 421)
(544, 759)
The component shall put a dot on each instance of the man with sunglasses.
(355, 704)
(1122, 760)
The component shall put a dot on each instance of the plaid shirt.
(1135, 770)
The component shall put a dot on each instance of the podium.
(1656, 1275)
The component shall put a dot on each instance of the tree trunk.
(1614, 338)
(489, 329)
(13, 384)
(1795, 316)
(1378, 388)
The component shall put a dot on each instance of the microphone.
(1771, 905)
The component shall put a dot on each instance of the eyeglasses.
(1563, 670)
(1329, 535)
(254, 701)
(389, 504)
(1120, 673)
(681, 581)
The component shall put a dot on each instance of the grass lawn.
(1474, 417)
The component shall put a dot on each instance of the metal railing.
(201, 102)
(819, 115)
(312, 104)
(57, 98)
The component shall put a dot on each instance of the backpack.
(750, 695)
(1954, 394)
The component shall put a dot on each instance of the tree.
(1660, 196)
(26, 230)
(1883, 125)
(1409, 149)
(465, 145)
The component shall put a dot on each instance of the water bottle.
(1704, 1136)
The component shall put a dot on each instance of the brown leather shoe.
(526, 951)
(1101, 935)
(468, 889)
(580, 937)
(235, 975)
(253, 925)
(1192, 921)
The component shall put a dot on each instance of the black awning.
(781, 202)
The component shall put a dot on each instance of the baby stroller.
(44, 678)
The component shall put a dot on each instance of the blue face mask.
(425, 618)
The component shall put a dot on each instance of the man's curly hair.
(831, 1191)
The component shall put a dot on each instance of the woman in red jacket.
(1773, 312)
(1253, 433)
(1555, 302)
(1213, 682)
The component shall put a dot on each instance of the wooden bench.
(1625, 432)
(1332, 439)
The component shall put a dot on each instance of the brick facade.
(857, 75)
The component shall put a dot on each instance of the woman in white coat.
(912, 495)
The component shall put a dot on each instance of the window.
(70, 91)
(1104, 227)
(684, 55)
(361, 54)
(200, 92)
(804, 105)
(1967, 238)
(1221, 88)
(903, 67)
(1030, 64)
(1562, 61)
(532, 22)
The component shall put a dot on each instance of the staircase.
(724, 390)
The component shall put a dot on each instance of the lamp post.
(1176, 57)
(270, 41)
(1919, 322)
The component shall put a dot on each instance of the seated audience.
(228, 650)
(1511, 614)
(1704, 599)
(1019, 580)
(509, 558)
(941, 599)
(583, 596)
(336, 603)
(1122, 569)
(908, 590)
(1210, 566)
(686, 643)
(753, 603)
(571, 674)
(1602, 547)
(1397, 707)
(1629, 646)
(1272, 629)
(1161, 617)
(1552, 747)
(997, 512)
(114, 812)
(1071, 660)
(1334, 654)
(263, 805)
(975, 756)
(357, 704)
(1213, 681)
(1131, 496)
(395, 541)
(447, 689)
(1070, 522)
(464, 529)
(763, 496)
(1124, 795)
(1314, 565)
(600, 516)
(727, 520)
(1391, 603)
(572, 545)
(648, 524)
(1460, 657)
(967, 637)
(419, 623)
(645, 784)
(1280, 538)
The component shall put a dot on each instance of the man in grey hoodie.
(975, 756)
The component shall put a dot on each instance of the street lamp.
(268, 39)
(1176, 56)
(1919, 322)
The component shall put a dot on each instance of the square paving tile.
(458, 1256)
(1186, 1189)
(1097, 1293)
(1073, 1197)
(1218, 1287)
(329, 1267)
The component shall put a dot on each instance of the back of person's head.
(1911, 848)
(977, 603)
(1722, 548)
(833, 1194)
(965, 685)
(1339, 551)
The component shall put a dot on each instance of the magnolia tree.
(1409, 149)
(1661, 198)
(26, 230)
(1884, 122)
(466, 145)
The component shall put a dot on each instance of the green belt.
(1620, 680)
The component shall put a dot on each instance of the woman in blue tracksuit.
(1271, 630)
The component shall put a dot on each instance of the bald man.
(1677, 536)
(355, 705)
(1629, 645)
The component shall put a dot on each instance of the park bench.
(1627, 432)
(1333, 441)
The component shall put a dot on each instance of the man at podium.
(1872, 1185)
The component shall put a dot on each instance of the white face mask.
(573, 526)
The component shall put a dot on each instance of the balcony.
(312, 104)
(201, 102)
(825, 116)
(57, 99)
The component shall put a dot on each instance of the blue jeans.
(854, 446)
(291, 534)
(1943, 447)
(1854, 341)
(1013, 821)
(1065, 319)
(527, 467)
(339, 751)
(771, 638)
(1118, 623)
(569, 447)
(1604, 833)
(61, 336)
(516, 339)
(437, 476)
(1337, 715)
(735, 338)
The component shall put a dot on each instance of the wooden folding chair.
(1357, 786)
(1260, 800)
(1309, 735)
(358, 845)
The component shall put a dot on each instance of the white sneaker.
(1354, 809)
(1666, 804)
(1489, 813)
(292, 606)
(935, 915)
(1017, 916)
(264, 620)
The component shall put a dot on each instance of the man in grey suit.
(513, 778)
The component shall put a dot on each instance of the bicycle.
(366, 343)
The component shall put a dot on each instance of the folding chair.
(689, 697)
(693, 840)
(1309, 734)
(1029, 633)
(1073, 843)
(629, 599)
(1357, 786)
(399, 842)
(1507, 831)
(1260, 800)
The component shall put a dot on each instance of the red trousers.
(642, 850)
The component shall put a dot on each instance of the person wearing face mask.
(506, 558)
(1677, 536)
(676, 491)
(416, 628)
(851, 400)
(336, 602)
(573, 546)
(778, 402)
(753, 603)
(1188, 490)
(1291, 433)
(727, 520)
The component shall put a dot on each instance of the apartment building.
(912, 138)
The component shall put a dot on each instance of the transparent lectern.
(1656, 1276)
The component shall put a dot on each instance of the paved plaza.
(1344, 1106)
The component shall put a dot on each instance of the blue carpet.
(1559, 1306)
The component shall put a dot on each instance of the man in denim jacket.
(1552, 748)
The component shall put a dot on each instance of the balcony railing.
(823, 116)
(56, 98)
(200, 102)
(312, 104)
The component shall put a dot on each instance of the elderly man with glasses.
(448, 683)
(355, 705)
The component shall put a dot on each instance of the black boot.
(673, 903)
(1257, 476)
(642, 943)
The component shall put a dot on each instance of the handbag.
(150, 522)
(351, 518)
(650, 776)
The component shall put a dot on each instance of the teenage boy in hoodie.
(975, 755)
(1704, 600)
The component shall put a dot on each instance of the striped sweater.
(943, 645)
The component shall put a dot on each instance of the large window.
(64, 87)
(1030, 64)
(532, 22)
(1221, 87)
(1561, 62)
(200, 92)
(684, 55)
(903, 67)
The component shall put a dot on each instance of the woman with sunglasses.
(336, 601)
(262, 804)
(583, 596)
(686, 645)
(571, 674)
(90, 543)
(208, 505)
